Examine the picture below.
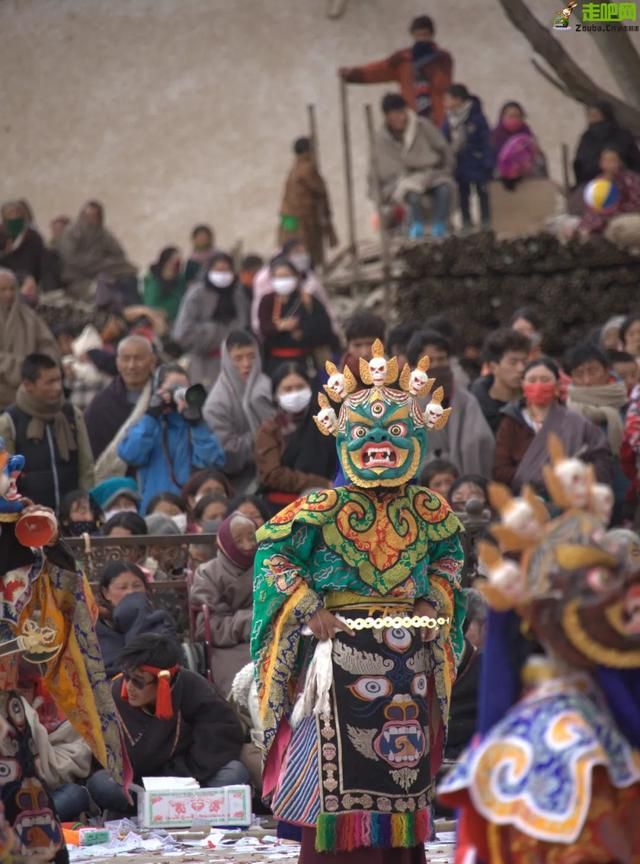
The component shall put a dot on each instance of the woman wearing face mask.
(210, 310)
(210, 510)
(225, 586)
(126, 611)
(293, 324)
(295, 251)
(79, 514)
(170, 440)
(521, 440)
(516, 150)
(165, 283)
(291, 454)
(202, 483)
(171, 505)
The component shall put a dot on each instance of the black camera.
(194, 398)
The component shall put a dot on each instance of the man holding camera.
(171, 440)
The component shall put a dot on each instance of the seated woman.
(203, 482)
(126, 611)
(165, 283)
(171, 505)
(293, 324)
(467, 487)
(521, 439)
(115, 495)
(176, 726)
(517, 153)
(603, 130)
(125, 523)
(627, 182)
(291, 454)
(253, 506)
(210, 510)
(237, 404)
(79, 514)
(225, 586)
(214, 306)
(295, 251)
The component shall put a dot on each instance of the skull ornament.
(601, 502)
(327, 420)
(336, 386)
(378, 368)
(433, 413)
(419, 382)
(508, 579)
(575, 478)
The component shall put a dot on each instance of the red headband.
(164, 702)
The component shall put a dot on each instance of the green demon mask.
(381, 432)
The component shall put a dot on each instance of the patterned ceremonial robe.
(360, 774)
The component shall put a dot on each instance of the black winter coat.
(586, 164)
(201, 738)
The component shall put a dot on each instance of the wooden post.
(384, 236)
(313, 134)
(348, 178)
(565, 168)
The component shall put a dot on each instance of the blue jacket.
(151, 442)
(475, 161)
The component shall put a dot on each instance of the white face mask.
(296, 401)
(221, 278)
(284, 285)
(114, 512)
(301, 261)
(180, 520)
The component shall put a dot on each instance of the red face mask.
(512, 124)
(540, 393)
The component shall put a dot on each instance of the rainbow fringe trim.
(343, 832)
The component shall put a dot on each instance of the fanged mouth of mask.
(379, 456)
(631, 611)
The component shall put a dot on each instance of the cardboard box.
(80, 835)
(179, 807)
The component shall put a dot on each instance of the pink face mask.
(513, 124)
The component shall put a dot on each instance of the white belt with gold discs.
(395, 622)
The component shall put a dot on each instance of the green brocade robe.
(394, 544)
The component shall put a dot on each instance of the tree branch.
(621, 57)
(578, 84)
(552, 79)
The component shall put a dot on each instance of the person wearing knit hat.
(225, 586)
(116, 494)
(175, 724)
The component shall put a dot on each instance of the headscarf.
(228, 546)
(254, 394)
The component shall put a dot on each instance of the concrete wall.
(178, 111)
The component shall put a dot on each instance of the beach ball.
(601, 195)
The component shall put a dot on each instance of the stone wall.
(177, 111)
(480, 282)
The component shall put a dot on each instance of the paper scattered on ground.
(215, 847)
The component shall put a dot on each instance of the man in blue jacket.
(171, 440)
